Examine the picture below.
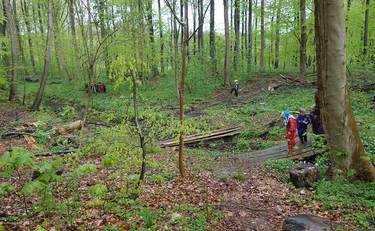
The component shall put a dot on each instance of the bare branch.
(200, 25)
(174, 13)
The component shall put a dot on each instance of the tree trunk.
(19, 39)
(175, 32)
(302, 57)
(60, 54)
(346, 149)
(227, 45)
(236, 32)
(262, 37)
(349, 3)
(11, 27)
(3, 44)
(103, 30)
(161, 39)
(47, 59)
(250, 35)
(40, 18)
(365, 33)
(25, 12)
(212, 38)
(256, 36)
(181, 166)
(139, 129)
(200, 22)
(277, 39)
(194, 6)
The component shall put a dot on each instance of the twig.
(63, 152)
(200, 25)
(11, 134)
(174, 13)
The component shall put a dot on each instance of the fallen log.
(73, 126)
(15, 134)
(297, 80)
(62, 152)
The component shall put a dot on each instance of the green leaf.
(32, 186)
(5, 188)
(98, 190)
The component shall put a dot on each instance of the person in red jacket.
(291, 128)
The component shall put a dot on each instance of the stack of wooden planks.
(216, 134)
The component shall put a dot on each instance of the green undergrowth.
(355, 199)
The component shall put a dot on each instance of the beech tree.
(11, 29)
(348, 155)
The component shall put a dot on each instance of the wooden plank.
(199, 136)
(220, 133)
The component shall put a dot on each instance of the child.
(302, 121)
(315, 121)
(291, 127)
(235, 88)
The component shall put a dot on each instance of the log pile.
(217, 134)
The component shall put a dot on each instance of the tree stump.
(304, 174)
(308, 222)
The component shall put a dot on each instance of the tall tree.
(365, 32)
(11, 28)
(346, 149)
(103, 19)
(60, 53)
(250, 33)
(40, 18)
(161, 38)
(236, 32)
(212, 38)
(303, 40)
(227, 45)
(277, 39)
(47, 59)
(349, 4)
(262, 37)
(26, 16)
(19, 38)
(200, 30)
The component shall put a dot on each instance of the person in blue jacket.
(303, 121)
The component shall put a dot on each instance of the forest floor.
(219, 193)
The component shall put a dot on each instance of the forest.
(187, 115)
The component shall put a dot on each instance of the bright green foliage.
(98, 190)
(349, 197)
(84, 169)
(5, 188)
(279, 168)
(14, 160)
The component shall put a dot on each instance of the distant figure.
(315, 120)
(96, 88)
(270, 87)
(101, 87)
(303, 121)
(291, 127)
(373, 102)
(235, 88)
